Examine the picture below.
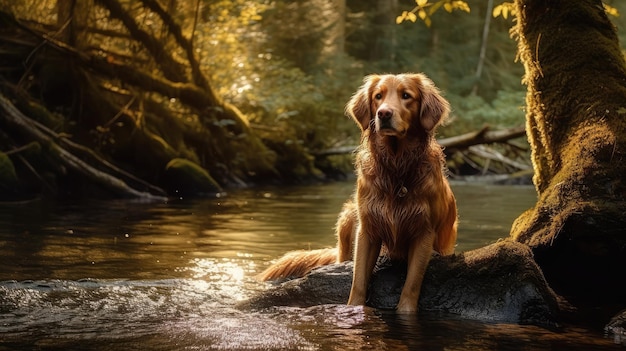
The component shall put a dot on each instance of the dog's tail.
(296, 264)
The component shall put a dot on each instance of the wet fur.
(403, 204)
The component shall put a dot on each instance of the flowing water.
(127, 275)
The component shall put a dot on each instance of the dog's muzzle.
(384, 118)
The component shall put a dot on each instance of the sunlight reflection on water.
(224, 275)
(168, 276)
(232, 329)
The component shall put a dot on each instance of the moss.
(8, 176)
(42, 115)
(186, 178)
(576, 81)
(576, 78)
(575, 75)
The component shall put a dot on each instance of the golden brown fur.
(298, 263)
(403, 203)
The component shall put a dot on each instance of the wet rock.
(616, 328)
(500, 282)
(325, 285)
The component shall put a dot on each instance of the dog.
(403, 206)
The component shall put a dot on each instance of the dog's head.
(392, 105)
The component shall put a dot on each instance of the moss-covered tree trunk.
(576, 125)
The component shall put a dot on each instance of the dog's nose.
(384, 114)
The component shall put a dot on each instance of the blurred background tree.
(184, 98)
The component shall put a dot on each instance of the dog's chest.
(397, 215)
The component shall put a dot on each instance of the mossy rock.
(496, 283)
(186, 178)
(8, 177)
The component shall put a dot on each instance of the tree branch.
(186, 44)
(171, 69)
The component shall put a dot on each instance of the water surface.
(127, 275)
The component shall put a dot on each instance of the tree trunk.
(576, 98)
(384, 48)
(483, 46)
(334, 38)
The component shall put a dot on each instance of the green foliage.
(274, 76)
(471, 112)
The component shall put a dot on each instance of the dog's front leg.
(365, 256)
(420, 252)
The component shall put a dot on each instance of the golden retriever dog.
(403, 204)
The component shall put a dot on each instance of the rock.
(325, 285)
(186, 178)
(499, 283)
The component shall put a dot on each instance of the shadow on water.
(122, 275)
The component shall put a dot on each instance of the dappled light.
(156, 156)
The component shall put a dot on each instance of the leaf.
(462, 5)
(497, 11)
(432, 9)
(428, 22)
(421, 3)
(412, 17)
(399, 19)
(610, 10)
(422, 14)
(504, 9)
(447, 6)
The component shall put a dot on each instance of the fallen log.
(497, 283)
(483, 136)
(493, 155)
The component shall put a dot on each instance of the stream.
(131, 275)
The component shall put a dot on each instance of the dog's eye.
(406, 96)
(378, 96)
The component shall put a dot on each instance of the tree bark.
(576, 93)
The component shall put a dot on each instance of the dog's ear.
(359, 106)
(434, 108)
